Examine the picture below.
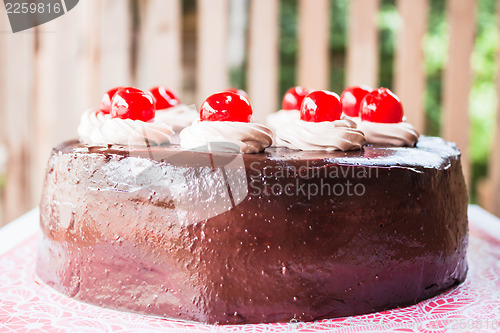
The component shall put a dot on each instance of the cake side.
(129, 230)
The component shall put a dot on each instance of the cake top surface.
(430, 152)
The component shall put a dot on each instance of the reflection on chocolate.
(128, 229)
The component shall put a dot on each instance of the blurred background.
(439, 56)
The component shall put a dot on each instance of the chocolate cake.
(218, 237)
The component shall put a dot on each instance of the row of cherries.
(379, 106)
(136, 104)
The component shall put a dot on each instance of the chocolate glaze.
(143, 230)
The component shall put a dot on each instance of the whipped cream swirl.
(396, 134)
(89, 121)
(249, 137)
(282, 118)
(179, 117)
(326, 136)
(100, 129)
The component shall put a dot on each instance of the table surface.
(28, 305)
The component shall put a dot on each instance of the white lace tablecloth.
(27, 305)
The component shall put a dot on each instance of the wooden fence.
(50, 74)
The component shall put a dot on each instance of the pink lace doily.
(26, 305)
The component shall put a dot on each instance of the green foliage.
(3, 179)
(238, 77)
(435, 48)
(388, 23)
(338, 43)
(288, 45)
(483, 98)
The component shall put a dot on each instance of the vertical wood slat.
(313, 54)
(88, 64)
(458, 76)
(410, 76)
(212, 64)
(159, 59)
(263, 57)
(115, 44)
(18, 126)
(362, 41)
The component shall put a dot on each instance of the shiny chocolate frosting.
(228, 238)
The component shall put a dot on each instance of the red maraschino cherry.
(292, 100)
(164, 98)
(321, 105)
(226, 106)
(105, 105)
(381, 106)
(132, 103)
(351, 99)
(239, 92)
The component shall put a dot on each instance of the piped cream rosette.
(396, 134)
(249, 137)
(326, 136)
(97, 128)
